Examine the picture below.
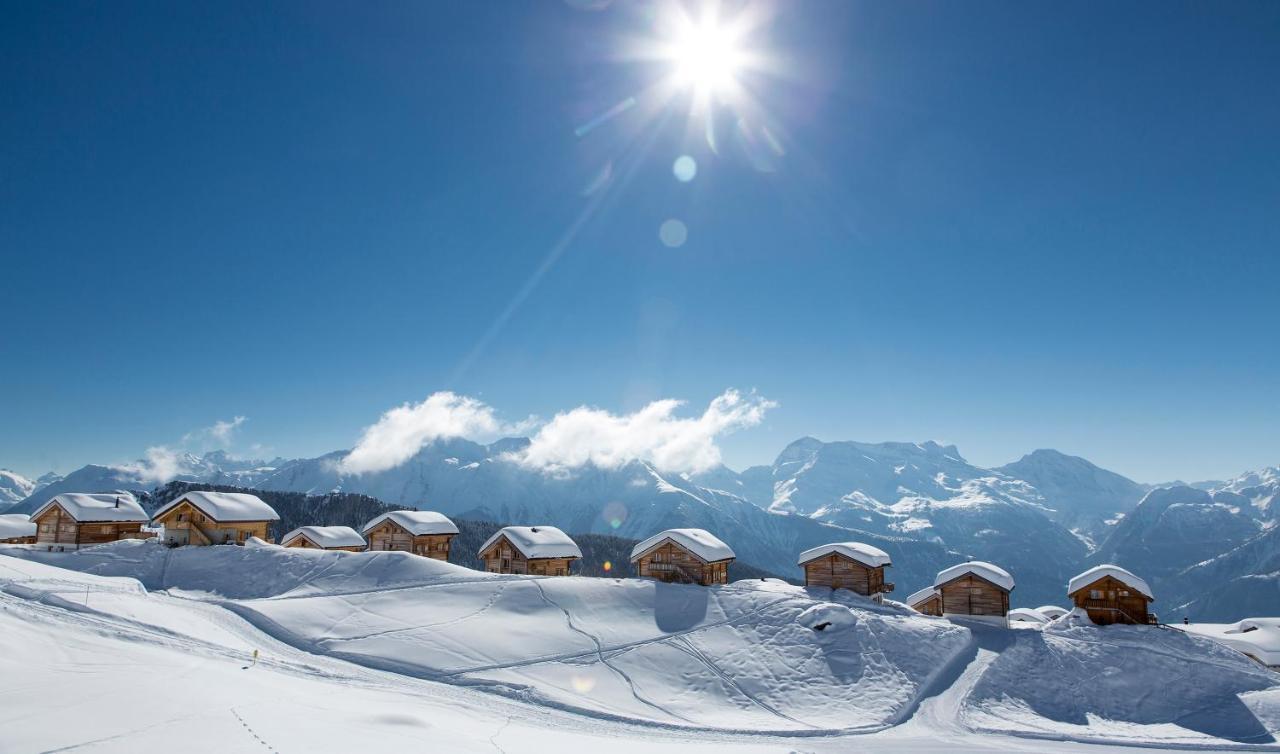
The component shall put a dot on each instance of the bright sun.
(707, 55)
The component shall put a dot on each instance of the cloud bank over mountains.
(569, 440)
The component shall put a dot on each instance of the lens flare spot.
(615, 514)
(582, 684)
(673, 234)
(685, 168)
(608, 566)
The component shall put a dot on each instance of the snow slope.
(571, 662)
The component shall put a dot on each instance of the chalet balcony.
(886, 587)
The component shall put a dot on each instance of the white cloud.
(162, 463)
(404, 430)
(159, 465)
(219, 433)
(652, 434)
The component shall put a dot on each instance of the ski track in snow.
(936, 719)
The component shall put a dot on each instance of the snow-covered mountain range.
(1044, 517)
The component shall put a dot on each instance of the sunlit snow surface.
(402, 649)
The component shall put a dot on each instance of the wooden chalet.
(1110, 594)
(541, 550)
(342, 538)
(425, 533)
(74, 519)
(215, 518)
(975, 589)
(854, 566)
(683, 556)
(17, 529)
(927, 601)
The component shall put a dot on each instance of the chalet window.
(46, 527)
(245, 535)
(182, 517)
(559, 571)
(1124, 593)
(1095, 594)
(506, 563)
(105, 528)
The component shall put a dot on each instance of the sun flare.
(706, 54)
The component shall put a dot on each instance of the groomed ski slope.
(638, 660)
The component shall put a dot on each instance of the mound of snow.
(828, 617)
(1124, 683)
(1257, 637)
(729, 657)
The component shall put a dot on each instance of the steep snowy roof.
(863, 553)
(327, 536)
(982, 569)
(700, 542)
(417, 523)
(1027, 615)
(537, 542)
(16, 525)
(921, 596)
(1051, 611)
(112, 506)
(1083, 580)
(225, 506)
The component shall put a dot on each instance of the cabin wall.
(1109, 601)
(969, 595)
(56, 528)
(18, 540)
(188, 525)
(839, 572)
(503, 557)
(931, 606)
(389, 535)
(672, 563)
(303, 543)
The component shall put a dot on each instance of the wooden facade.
(304, 542)
(929, 605)
(501, 556)
(970, 594)
(839, 571)
(57, 529)
(390, 535)
(670, 562)
(1109, 600)
(185, 524)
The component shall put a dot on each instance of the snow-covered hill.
(418, 650)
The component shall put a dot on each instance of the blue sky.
(1002, 225)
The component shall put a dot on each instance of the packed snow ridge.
(752, 658)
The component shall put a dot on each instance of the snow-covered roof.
(1027, 615)
(1051, 611)
(537, 542)
(921, 596)
(863, 553)
(225, 506)
(327, 536)
(700, 542)
(13, 525)
(111, 506)
(417, 523)
(1083, 580)
(980, 568)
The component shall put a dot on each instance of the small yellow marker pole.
(255, 658)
